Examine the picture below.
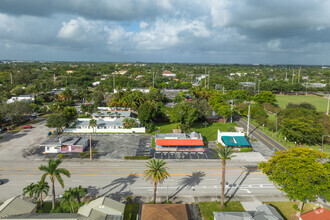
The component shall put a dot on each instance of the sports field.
(319, 102)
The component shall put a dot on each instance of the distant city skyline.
(172, 31)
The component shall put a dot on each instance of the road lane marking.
(248, 191)
(260, 135)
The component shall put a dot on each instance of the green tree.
(224, 153)
(92, 124)
(41, 187)
(53, 172)
(147, 112)
(79, 192)
(265, 97)
(97, 97)
(70, 114)
(129, 123)
(31, 190)
(56, 121)
(185, 114)
(68, 198)
(16, 110)
(302, 173)
(156, 172)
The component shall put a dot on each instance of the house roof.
(235, 141)
(316, 214)
(16, 206)
(112, 113)
(101, 208)
(264, 212)
(57, 216)
(164, 212)
(180, 142)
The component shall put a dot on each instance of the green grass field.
(288, 211)
(319, 102)
(207, 208)
(211, 128)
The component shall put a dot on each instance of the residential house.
(27, 98)
(233, 139)
(96, 83)
(69, 71)
(65, 144)
(247, 84)
(167, 73)
(16, 206)
(103, 208)
(108, 121)
(317, 214)
(164, 212)
(179, 142)
(263, 212)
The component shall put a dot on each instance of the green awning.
(235, 141)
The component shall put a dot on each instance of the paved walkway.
(251, 206)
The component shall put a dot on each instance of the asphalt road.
(189, 181)
(265, 139)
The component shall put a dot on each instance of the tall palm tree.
(156, 172)
(93, 124)
(31, 190)
(224, 153)
(40, 188)
(79, 192)
(53, 172)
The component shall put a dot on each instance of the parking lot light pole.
(205, 123)
(322, 141)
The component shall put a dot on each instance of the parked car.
(1, 182)
(26, 127)
(3, 129)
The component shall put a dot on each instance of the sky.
(180, 31)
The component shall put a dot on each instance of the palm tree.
(31, 190)
(93, 124)
(40, 188)
(68, 197)
(224, 153)
(79, 192)
(53, 172)
(156, 172)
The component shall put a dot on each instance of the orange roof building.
(317, 214)
(179, 142)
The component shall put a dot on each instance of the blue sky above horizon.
(195, 31)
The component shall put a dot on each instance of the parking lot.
(107, 146)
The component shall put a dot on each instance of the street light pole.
(248, 124)
(205, 123)
(328, 104)
(276, 123)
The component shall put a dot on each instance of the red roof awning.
(180, 142)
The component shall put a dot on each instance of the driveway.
(13, 144)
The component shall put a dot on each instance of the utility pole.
(153, 80)
(223, 90)
(113, 83)
(208, 86)
(276, 123)
(231, 109)
(292, 76)
(205, 77)
(259, 86)
(299, 75)
(328, 104)
(255, 83)
(248, 124)
(54, 78)
(11, 78)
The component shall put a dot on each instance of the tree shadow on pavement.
(247, 170)
(120, 184)
(189, 182)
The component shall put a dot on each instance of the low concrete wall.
(131, 130)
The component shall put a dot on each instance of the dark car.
(1, 182)
(3, 129)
